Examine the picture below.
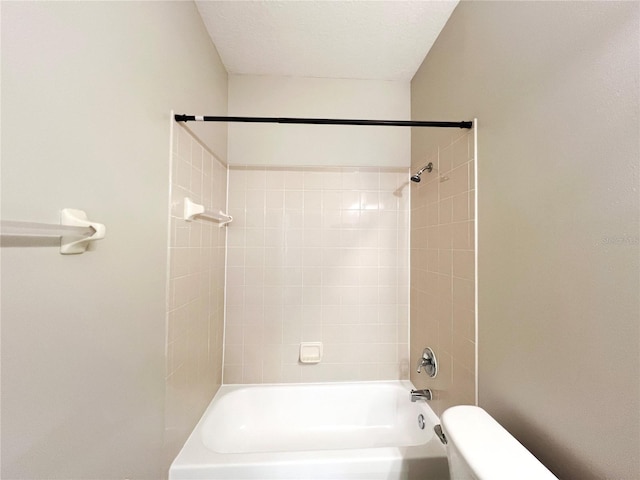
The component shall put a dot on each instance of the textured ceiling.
(384, 40)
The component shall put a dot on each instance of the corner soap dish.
(310, 352)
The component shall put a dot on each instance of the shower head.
(428, 167)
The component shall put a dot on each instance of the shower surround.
(317, 254)
(195, 288)
(443, 312)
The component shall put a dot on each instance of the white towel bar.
(32, 229)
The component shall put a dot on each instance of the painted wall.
(555, 87)
(442, 306)
(318, 145)
(87, 88)
(317, 255)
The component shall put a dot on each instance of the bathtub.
(366, 430)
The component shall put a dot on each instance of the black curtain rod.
(322, 121)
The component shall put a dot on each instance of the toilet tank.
(479, 448)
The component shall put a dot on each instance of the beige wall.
(555, 87)
(318, 145)
(196, 287)
(87, 88)
(442, 306)
(317, 254)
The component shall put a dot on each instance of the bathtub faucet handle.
(429, 362)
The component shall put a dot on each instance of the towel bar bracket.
(192, 210)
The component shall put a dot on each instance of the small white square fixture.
(310, 352)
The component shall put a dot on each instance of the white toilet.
(479, 448)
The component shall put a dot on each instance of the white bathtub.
(365, 430)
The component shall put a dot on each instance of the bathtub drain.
(421, 421)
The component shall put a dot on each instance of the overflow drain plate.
(421, 421)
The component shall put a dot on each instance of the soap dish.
(310, 352)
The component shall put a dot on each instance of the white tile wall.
(317, 255)
(195, 301)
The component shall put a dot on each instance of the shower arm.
(428, 167)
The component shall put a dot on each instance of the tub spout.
(418, 394)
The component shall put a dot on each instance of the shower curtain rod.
(322, 121)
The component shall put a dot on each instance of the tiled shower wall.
(317, 255)
(195, 302)
(443, 268)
